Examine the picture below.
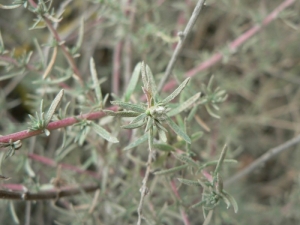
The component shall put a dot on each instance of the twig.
(261, 160)
(182, 210)
(144, 189)
(66, 53)
(51, 63)
(234, 44)
(52, 163)
(127, 56)
(117, 67)
(47, 195)
(182, 36)
(27, 213)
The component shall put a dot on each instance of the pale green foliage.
(41, 120)
(213, 190)
(155, 114)
(212, 98)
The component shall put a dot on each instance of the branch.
(182, 36)
(47, 195)
(234, 44)
(263, 159)
(52, 163)
(54, 126)
(184, 216)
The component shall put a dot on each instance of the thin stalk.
(182, 36)
(117, 67)
(263, 159)
(47, 195)
(144, 189)
(234, 45)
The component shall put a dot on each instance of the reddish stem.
(54, 125)
(52, 163)
(233, 45)
(117, 67)
(182, 211)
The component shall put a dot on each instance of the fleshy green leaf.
(133, 82)
(178, 130)
(185, 105)
(103, 133)
(176, 92)
(137, 142)
(129, 106)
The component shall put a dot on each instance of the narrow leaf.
(53, 106)
(134, 125)
(13, 212)
(129, 106)
(103, 133)
(133, 82)
(144, 76)
(164, 147)
(121, 113)
(160, 126)
(28, 169)
(137, 142)
(210, 112)
(14, 6)
(162, 135)
(198, 204)
(178, 130)
(232, 200)
(185, 105)
(226, 200)
(149, 124)
(171, 170)
(95, 81)
(152, 84)
(186, 159)
(189, 182)
(138, 118)
(8, 76)
(220, 161)
(209, 86)
(197, 135)
(176, 92)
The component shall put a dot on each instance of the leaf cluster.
(155, 113)
(213, 191)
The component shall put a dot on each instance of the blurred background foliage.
(262, 109)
